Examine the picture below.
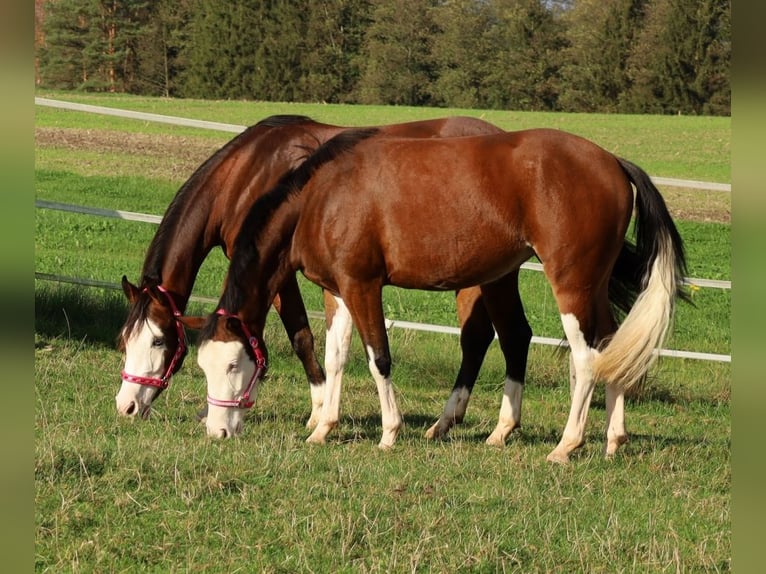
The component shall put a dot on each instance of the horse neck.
(262, 271)
(183, 240)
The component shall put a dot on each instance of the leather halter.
(164, 381)
(244, 402)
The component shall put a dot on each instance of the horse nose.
(217, 433)
(128, 410)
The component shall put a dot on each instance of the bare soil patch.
(176, 157)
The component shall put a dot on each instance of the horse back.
(464, 210)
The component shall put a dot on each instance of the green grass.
(115, 495)
(669, 146)
(157, 496)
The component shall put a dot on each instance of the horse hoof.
(315, 440)
(435, 433)
(613, 444)
(495, 440)
(558, 458)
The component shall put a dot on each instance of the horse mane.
(150, 274)
(283, 120)
(137, 314)
(245, 254)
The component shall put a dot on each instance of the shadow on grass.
(78, 313)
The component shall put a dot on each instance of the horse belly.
(452, 262)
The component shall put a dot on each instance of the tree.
(396, 66)
(221, 55)
(159, 48)
(600, 38)
(460, 52)
(332, 40)
(526, 43)
(67, 33)
(681, 58)
(91, 44)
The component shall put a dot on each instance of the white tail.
(630, 351)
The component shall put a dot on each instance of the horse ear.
(195, 323)
(130, 290)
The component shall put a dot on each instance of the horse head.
(154, 342)
(234, 362)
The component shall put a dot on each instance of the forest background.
(621, 56)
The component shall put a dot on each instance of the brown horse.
(208, 210)
(364, 212)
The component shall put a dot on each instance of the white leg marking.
(572, 376)
(454, 411)
(336, 357)
(510, 413)
(582, 360)
(317, 399)
(391, 417)
(616, 435)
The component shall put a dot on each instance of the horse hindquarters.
(630, 351)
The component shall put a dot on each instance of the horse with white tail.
(363, 212)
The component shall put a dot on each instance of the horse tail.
(659, 256)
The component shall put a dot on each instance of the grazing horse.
(442, 214)
(208, 210)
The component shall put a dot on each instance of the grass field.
(115, 495)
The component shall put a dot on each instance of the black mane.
(283, 120)
(155, 254)
(245, 254)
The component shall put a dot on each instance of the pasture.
(157, 495)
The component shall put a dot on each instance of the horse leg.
(292, 312)
(476, 335)
(586, 320)
(338, 342)
(616, 435)
(514, 334)
(366, 307)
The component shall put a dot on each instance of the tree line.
(624, 56)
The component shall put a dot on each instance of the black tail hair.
(651, 215)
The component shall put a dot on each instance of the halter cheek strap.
(244, 401)
(164, 381)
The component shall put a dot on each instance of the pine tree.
(600, 37)
(395, 59)
(460, 52)
(680, 60)
(526, 44)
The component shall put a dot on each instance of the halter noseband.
(244, 402)
(164, 381)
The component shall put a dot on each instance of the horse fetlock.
(323, 428)
(502, 431)
(558, 456)
(613, 443)
(438, 430)
(565, 447)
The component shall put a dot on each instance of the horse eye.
(158, 342)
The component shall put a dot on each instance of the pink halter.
(244, 402)
(164, 381)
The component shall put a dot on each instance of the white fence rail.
(685, 183)
(148, 218)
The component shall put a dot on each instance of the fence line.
(391, 323)
(147, 218)
(174, 120)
